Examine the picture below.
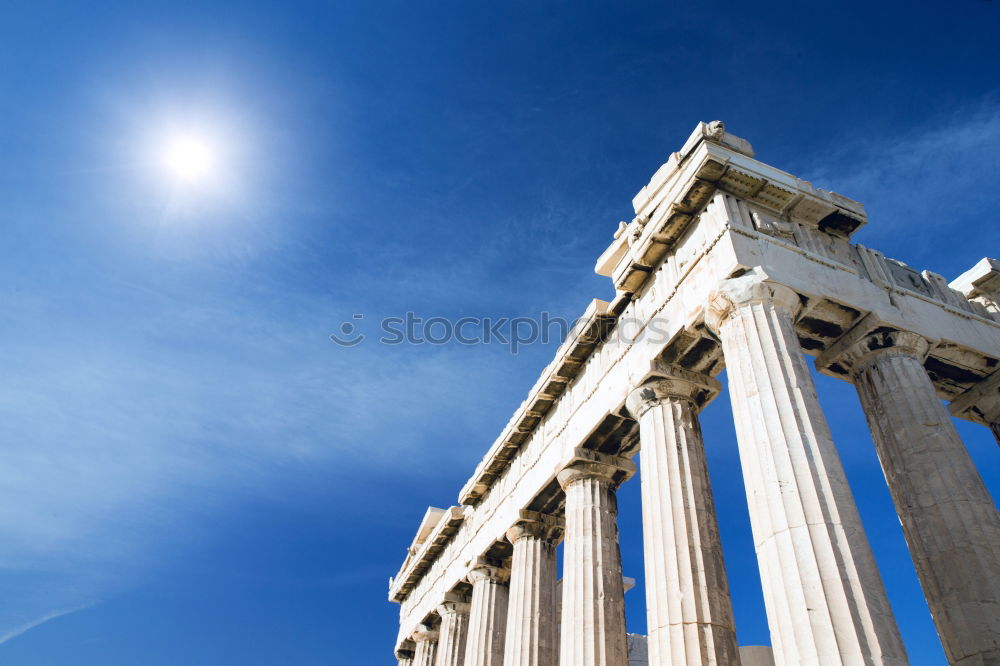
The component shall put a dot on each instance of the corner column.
(426, 641)
(949, 520)
(454, 632)
(689, 612)
(824, 597)
(488, 615)
(593, 603)
(531, 614)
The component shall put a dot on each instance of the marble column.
(426, 651)
(531, 613)
(454, 631)
(688, 609)
(488, 615)
(593, 602)
(949, 519)
(404, 655)
(823, 594)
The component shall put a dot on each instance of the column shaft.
(487, 618)
(593, 604)
(949, 519)
(531, 614)
(426, 651)
(823, 594)
(453, 633)
(689, 612)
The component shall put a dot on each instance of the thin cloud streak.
(28, 626)
(158, 412)
(919, 187)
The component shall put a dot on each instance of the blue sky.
(194, 474)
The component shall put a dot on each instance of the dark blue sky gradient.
(194, 474)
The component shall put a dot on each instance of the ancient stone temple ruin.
(737, 265)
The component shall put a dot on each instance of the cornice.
(413, 569)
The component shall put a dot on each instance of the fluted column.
(488, 616)
(593, 603)
(823, 594)
(949, 519)
(531, 612)
(454, 631)
(688, 609)
(404, 655)
(426, 641)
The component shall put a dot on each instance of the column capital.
(754, 286)
(453, 608)
(671, 382)
(539, 525)
(482, 570)
(593, 608)
(587, 464)
(424, 634)
(869, 340)
(406, 650)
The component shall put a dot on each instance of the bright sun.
(189, 159)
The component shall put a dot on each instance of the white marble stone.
(950, 522)
(453, 633)
(426, 641)
(981, 284)
(487, 616)
(823, 594)
(689, 612)
(531, 613)
(593, 604)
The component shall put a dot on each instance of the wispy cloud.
(920, 186)
(131, 413)
(51, 615)
(121, 433)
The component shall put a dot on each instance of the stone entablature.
(713, 216)
(446, 525)
(588, 331)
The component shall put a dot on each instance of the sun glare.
(189, 159)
